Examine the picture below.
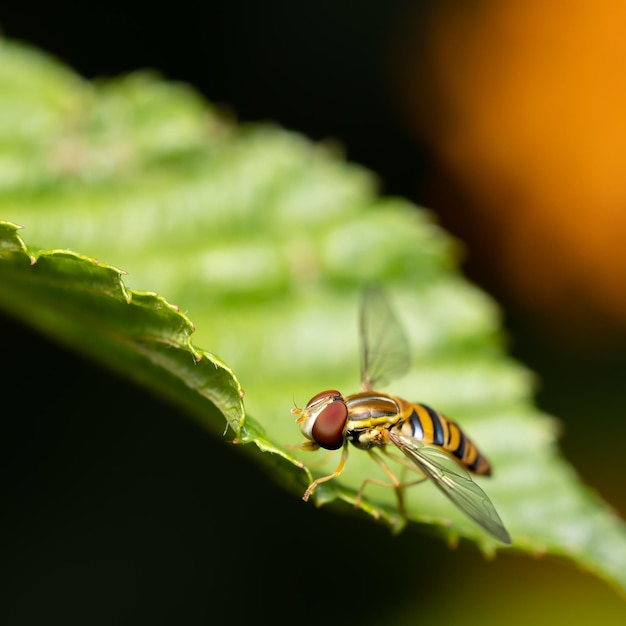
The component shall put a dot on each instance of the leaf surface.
(266, 241)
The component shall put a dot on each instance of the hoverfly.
(434, 445)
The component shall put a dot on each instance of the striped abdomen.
(429, 426)
(370, 411)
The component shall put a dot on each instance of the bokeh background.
(506, 118)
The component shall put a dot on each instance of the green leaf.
(86, 305)
(266, 241)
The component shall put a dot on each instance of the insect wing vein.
(384, 345)
(455, 482)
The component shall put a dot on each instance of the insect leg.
(396, 484)
(342, 463)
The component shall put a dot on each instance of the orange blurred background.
(524, 104)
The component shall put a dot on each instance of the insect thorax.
(370, 415)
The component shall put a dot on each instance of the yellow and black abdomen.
(369, 412)
(431, 427)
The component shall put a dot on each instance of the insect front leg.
(342, 463)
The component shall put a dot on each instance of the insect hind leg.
(394, 483)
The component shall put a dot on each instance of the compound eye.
(323, 395)
(329, 424)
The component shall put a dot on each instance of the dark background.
(162, 524)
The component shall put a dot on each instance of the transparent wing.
(384, 346)
(455, 482)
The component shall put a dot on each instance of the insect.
(433, 446)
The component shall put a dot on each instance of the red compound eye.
(323, 395)
(328, 428)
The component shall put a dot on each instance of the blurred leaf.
(266, 241)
